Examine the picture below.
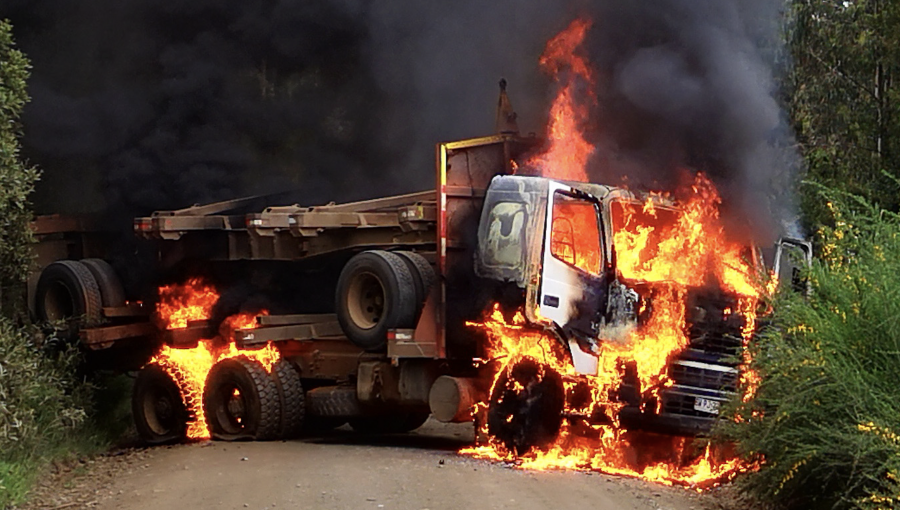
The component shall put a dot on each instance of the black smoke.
(690, 85)
(150, 104)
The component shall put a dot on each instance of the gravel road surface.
(342, 471)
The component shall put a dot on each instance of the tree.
(845, 103)
(16, 178)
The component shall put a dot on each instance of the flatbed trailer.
(436, 227)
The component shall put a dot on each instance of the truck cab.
(555, 240)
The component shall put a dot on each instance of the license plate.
(706, 405)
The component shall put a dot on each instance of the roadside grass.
(48, 413)
(825, 419)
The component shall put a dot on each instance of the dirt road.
(348, 471)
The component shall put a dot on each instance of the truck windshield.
(641, 229)
(638, 231)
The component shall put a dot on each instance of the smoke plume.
(151, 104)
(689, 85)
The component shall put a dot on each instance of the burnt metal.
(102, 338)
(58, 224)
(247, 337)
(189, 336)
(333, 359)
(283, 320)
(129, 310)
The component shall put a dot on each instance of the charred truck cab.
(555, 241)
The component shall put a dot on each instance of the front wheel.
(526, 406)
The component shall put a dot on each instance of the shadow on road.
(431, 436)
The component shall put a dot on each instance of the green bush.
(42, 411)
(47, 413)
(825, 418)
(16, 179)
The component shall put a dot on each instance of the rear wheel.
(293, 403)
(241, 401)
(526, 406)
(111, 290)
(160, 414)
(67, 291)
(375, 292)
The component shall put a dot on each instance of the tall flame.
(188, 367)
(569, 151)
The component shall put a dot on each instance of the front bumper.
(677, 412)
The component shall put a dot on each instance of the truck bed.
(295, 232)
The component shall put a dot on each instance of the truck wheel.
(391, 423)
(375, 293)
(293, 403)
(526, 406)
(160, 414)
(111, 290)
(423, 276)
(67, 290)
(240, 401)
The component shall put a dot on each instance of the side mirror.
(792, 256)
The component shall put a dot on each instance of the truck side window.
(575, 233)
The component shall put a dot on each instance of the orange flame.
(179, 304)
(569, 151)
(193, 301)
(658, 246)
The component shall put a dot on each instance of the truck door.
(792, 256)
(572, 270)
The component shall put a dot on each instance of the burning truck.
(544, 305)
(562, 316)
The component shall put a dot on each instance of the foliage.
(41, 408)
(845, 101)
(47, 413)
(826, 415)
(16, 179)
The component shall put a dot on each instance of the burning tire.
(160, 414)
(375, 292)
(526, 406)
(241, 401)
(291, 395)
(399, 423)
(423, 274)
(66, 290)
(112, 292)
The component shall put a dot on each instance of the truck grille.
(711, 330)
(703, 377)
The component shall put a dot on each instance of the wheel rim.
(159, 412)
(526, 406)
(232, 410)
(59, 303)
(366, 300)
